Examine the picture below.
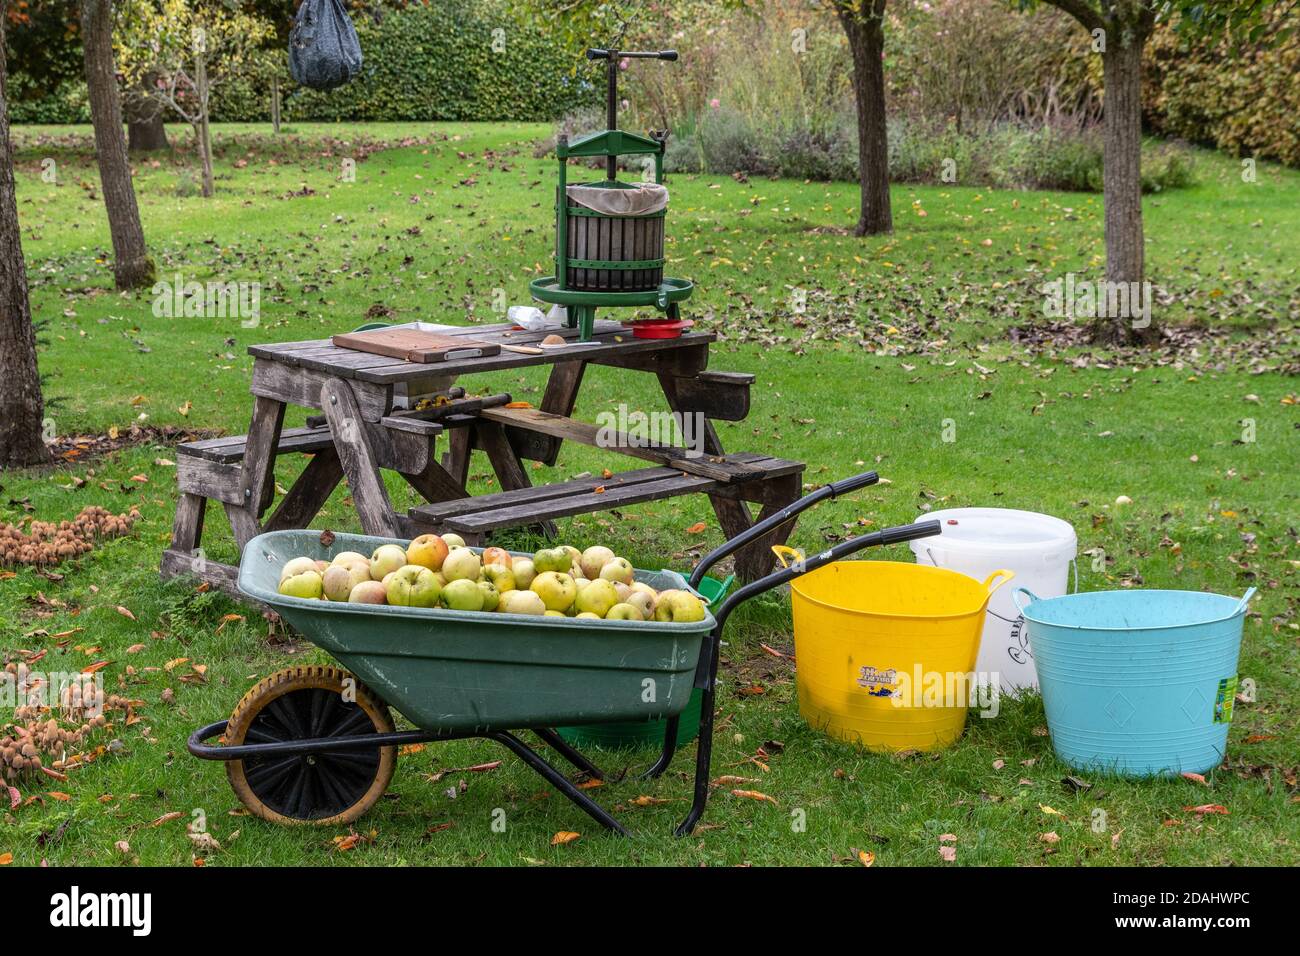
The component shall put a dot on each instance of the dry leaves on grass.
(754, 795)
(1208, 808)
(564, 837)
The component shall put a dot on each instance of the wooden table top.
(610, 341)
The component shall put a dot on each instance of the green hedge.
(437, 62)
(1246, 102)
(426, 62)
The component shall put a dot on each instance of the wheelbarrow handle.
(832, 490)
(908, 532)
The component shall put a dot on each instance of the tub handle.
(1001, 577)
(784, 551)
(1015, 598)
(1245, 599)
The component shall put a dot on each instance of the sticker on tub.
(877, 682)
(1227, 693)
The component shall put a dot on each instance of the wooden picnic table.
(367, 425)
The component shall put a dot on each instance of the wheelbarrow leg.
(704, 749)
(558, 781)
(569, 753)
(670, 748)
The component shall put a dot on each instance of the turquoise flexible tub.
(1139, 683)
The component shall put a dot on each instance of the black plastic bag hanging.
(324, 52)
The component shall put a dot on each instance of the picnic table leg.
(509, 469)
(755, 559)
(309, 493)
(456, 459)
(257, 475)
(369, 494)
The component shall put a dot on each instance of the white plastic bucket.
(979, 541)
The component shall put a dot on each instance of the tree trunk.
(145, 131)
(204, 128)
(1122, 178)
(865, 29)
(132, 266)
(22, 410)
(146, 135)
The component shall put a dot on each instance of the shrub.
(729, 144)
(437, 62)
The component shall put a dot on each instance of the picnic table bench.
(370, 422)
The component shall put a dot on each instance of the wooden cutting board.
(414, 345)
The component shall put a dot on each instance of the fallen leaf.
(999, 764)
(1050, 811)
(696, 528)
(165, 818)
(185, 409)
(58, 795)
(1195, 778)
(1205, 808)
(121, 846)
(6, 859)
(564, 837)
(644, 801)
(125, 612)
(866, 857)
(1049, 838)
(753, 795)
(948, 854)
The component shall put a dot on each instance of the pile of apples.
(439, 571)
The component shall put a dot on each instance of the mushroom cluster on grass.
(40, 740)
(45, 543)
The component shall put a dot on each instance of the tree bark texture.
(22, 410)
(132, 266)
(864, 25)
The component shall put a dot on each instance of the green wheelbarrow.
(317, 744)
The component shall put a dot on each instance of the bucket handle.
(1245, 599)
(1015, 598)
(784, 551)
(1001, 577)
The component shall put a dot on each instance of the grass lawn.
(899, 342)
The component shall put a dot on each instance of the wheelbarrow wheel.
(299, 703)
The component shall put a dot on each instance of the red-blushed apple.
(321, 566)
(643, 603)
(522, 602)
(338, 580)
(556, 589)
(593, 559)
(462, 564)
(619, 569)
(412, 585)
(462, 594)
(428, 550)
(304, 584)
(598, 597)
(297, 566)
(624, 612)
(386, 559)
(498, 556)
(524, 571)
(369, 592)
